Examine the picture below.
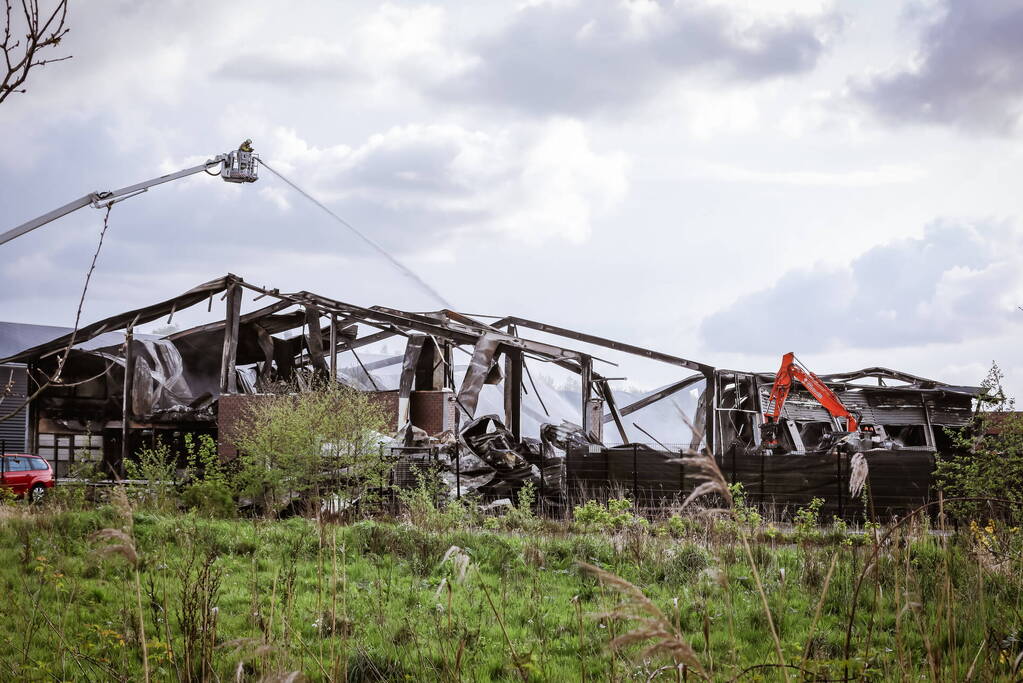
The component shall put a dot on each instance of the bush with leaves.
(297, 445)
(808, 520)
(742, 511)
(592, 516)
(157, 468)
(519, 517)
(987, 456)
(209, 491)
(423, 503)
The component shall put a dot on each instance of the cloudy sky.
(714, 179)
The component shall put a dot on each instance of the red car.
(26, 475)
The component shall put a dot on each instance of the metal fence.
(654, 478)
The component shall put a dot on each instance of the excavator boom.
(791, 370)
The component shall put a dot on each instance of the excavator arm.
(791, 370)
(828, 398)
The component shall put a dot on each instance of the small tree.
(987, 457)
(298, 444)
(157, 468)
(208, 489)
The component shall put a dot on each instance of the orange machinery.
(792, 370)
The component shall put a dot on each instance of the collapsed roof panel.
(138, 316)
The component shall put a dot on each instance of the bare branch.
(55, 378)
(21, 56)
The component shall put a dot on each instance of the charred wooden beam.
(449, 364)
(430, 367)
(266, 345)
(606, 343)
(609, 399)
(706, 420)
(134, 317)
(513, 392)
(419, 323)
(656, 396)
(314, 340)
(284, 358)
(586, 379)
(228, 378)
(333, 347)
(219, 325)
(370, 339)
(406, 384)
(128, 396)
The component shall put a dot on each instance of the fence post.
(458, 471)
(635, 479)
(838, 480)
(540, 500)
(681, 475)
(392, 477)
(435, 473)
(763, 494)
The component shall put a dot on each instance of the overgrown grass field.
(120, 593)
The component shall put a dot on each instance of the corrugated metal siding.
(890, 408)
(878, 406)
(950, 410)
(13, 429)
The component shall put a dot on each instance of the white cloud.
(883, 175)
(532, 184)
(411, 44)
(967, 73)
(577, 57)
(276, 196)
(955, 283)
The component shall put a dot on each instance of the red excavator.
(792, 370)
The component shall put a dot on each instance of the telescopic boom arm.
(238, 166)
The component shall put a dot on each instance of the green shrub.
(293, 444)
(679, 526)
(7, 497)
(209, 492)
(521, 517)
(592, 516)
(742, 512)
(157, 468)
(987, 456)
(808, 519)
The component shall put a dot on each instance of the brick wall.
(388, 400)
(432, 411)
(230, 410)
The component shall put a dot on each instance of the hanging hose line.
(395, 262)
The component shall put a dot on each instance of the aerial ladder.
(236, 166)
(792, 370)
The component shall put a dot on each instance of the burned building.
(118, 389)
(15, 337)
